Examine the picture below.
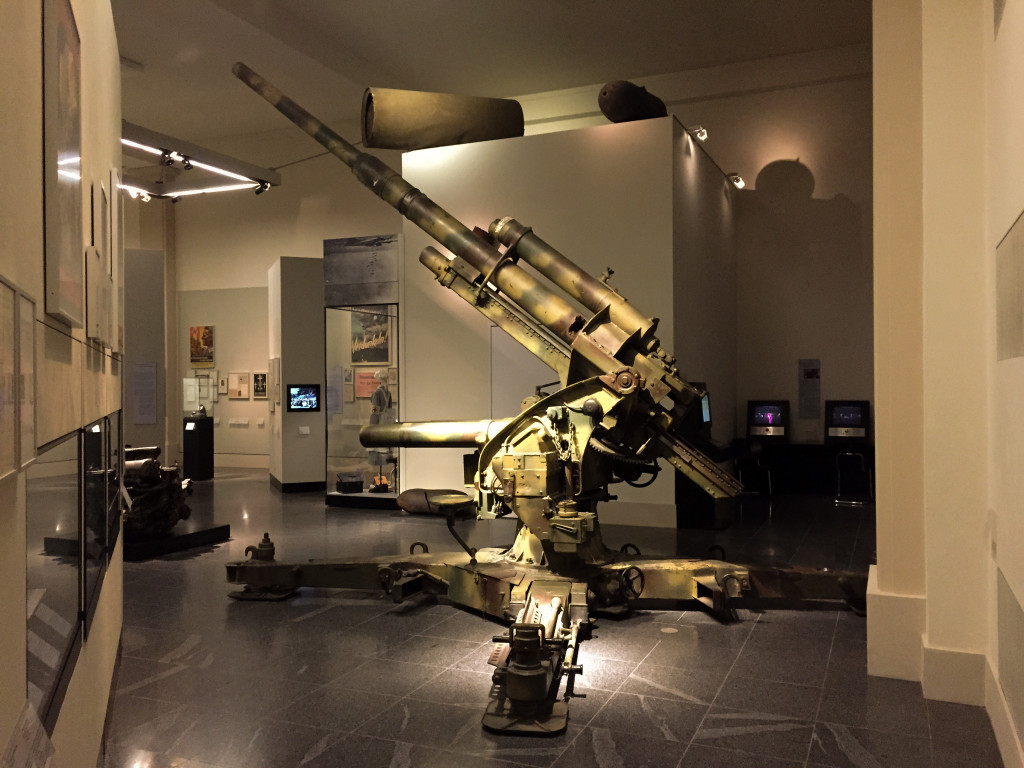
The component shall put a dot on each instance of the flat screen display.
(846, 419)
(847, 416)
(705, 409)
(767, 416)
(303, 397)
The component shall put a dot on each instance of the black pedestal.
(197, 447)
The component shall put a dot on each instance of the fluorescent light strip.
(221, 171)
(226, 188)
(143, 147)
(178, 157)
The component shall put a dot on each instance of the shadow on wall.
(804, 290)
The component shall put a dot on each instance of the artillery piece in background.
(621, 408)
(158, 495)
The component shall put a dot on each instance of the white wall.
(231, 240)
(614, 190)
(704, 280)
(1006, 202)
(145, 343)
(240, 322)
(816, 257)
(302, 436)
(944, 602)
(1004, 525)
(75, 381)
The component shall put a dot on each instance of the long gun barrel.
(578, 348)
(431, 434)
(551, 310)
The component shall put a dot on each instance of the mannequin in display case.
(381, 412)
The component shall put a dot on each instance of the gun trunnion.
(621, 408)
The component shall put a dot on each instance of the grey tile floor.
(344, 678)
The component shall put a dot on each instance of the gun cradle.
(621, 408)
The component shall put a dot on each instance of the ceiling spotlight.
(699, 132)
(186, 163)
(165, 158)
(263, 187)
(736, 179)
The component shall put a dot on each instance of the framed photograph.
(117, 262)
(8, 376)
(259, 385)
(238, 385)
(200, 343)
(347, 376)
(275, 380)
(222, 385)
(99, 281)
(366, 383)
(64, 245)
(27, 378)
(371, 335)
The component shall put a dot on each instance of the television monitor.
(703, 417)
(767, 418)
(847, 419)
(303, 397)
(705, 409)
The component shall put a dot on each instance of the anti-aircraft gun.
(622, 407)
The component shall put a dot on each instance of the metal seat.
(853, 480)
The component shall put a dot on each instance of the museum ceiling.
(177, 56)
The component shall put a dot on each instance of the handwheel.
(631, 582)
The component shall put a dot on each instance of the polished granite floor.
(343, 678)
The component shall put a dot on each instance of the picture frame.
(222, 385)
(275, 380)
(201, 346)
(64, 241)
(99, 298)
(366, 383)
(8, 378)
(26, 379)
(116, 262)
(371, 335)
(259, 385)
(238, 385)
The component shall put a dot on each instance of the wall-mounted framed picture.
(259, 385)
(222, 385)
(238, 385)
(8, 377)
(275, 380)
(64, 244)
(27, 379)
(366, 383)
(371, 335)
(200, 344)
